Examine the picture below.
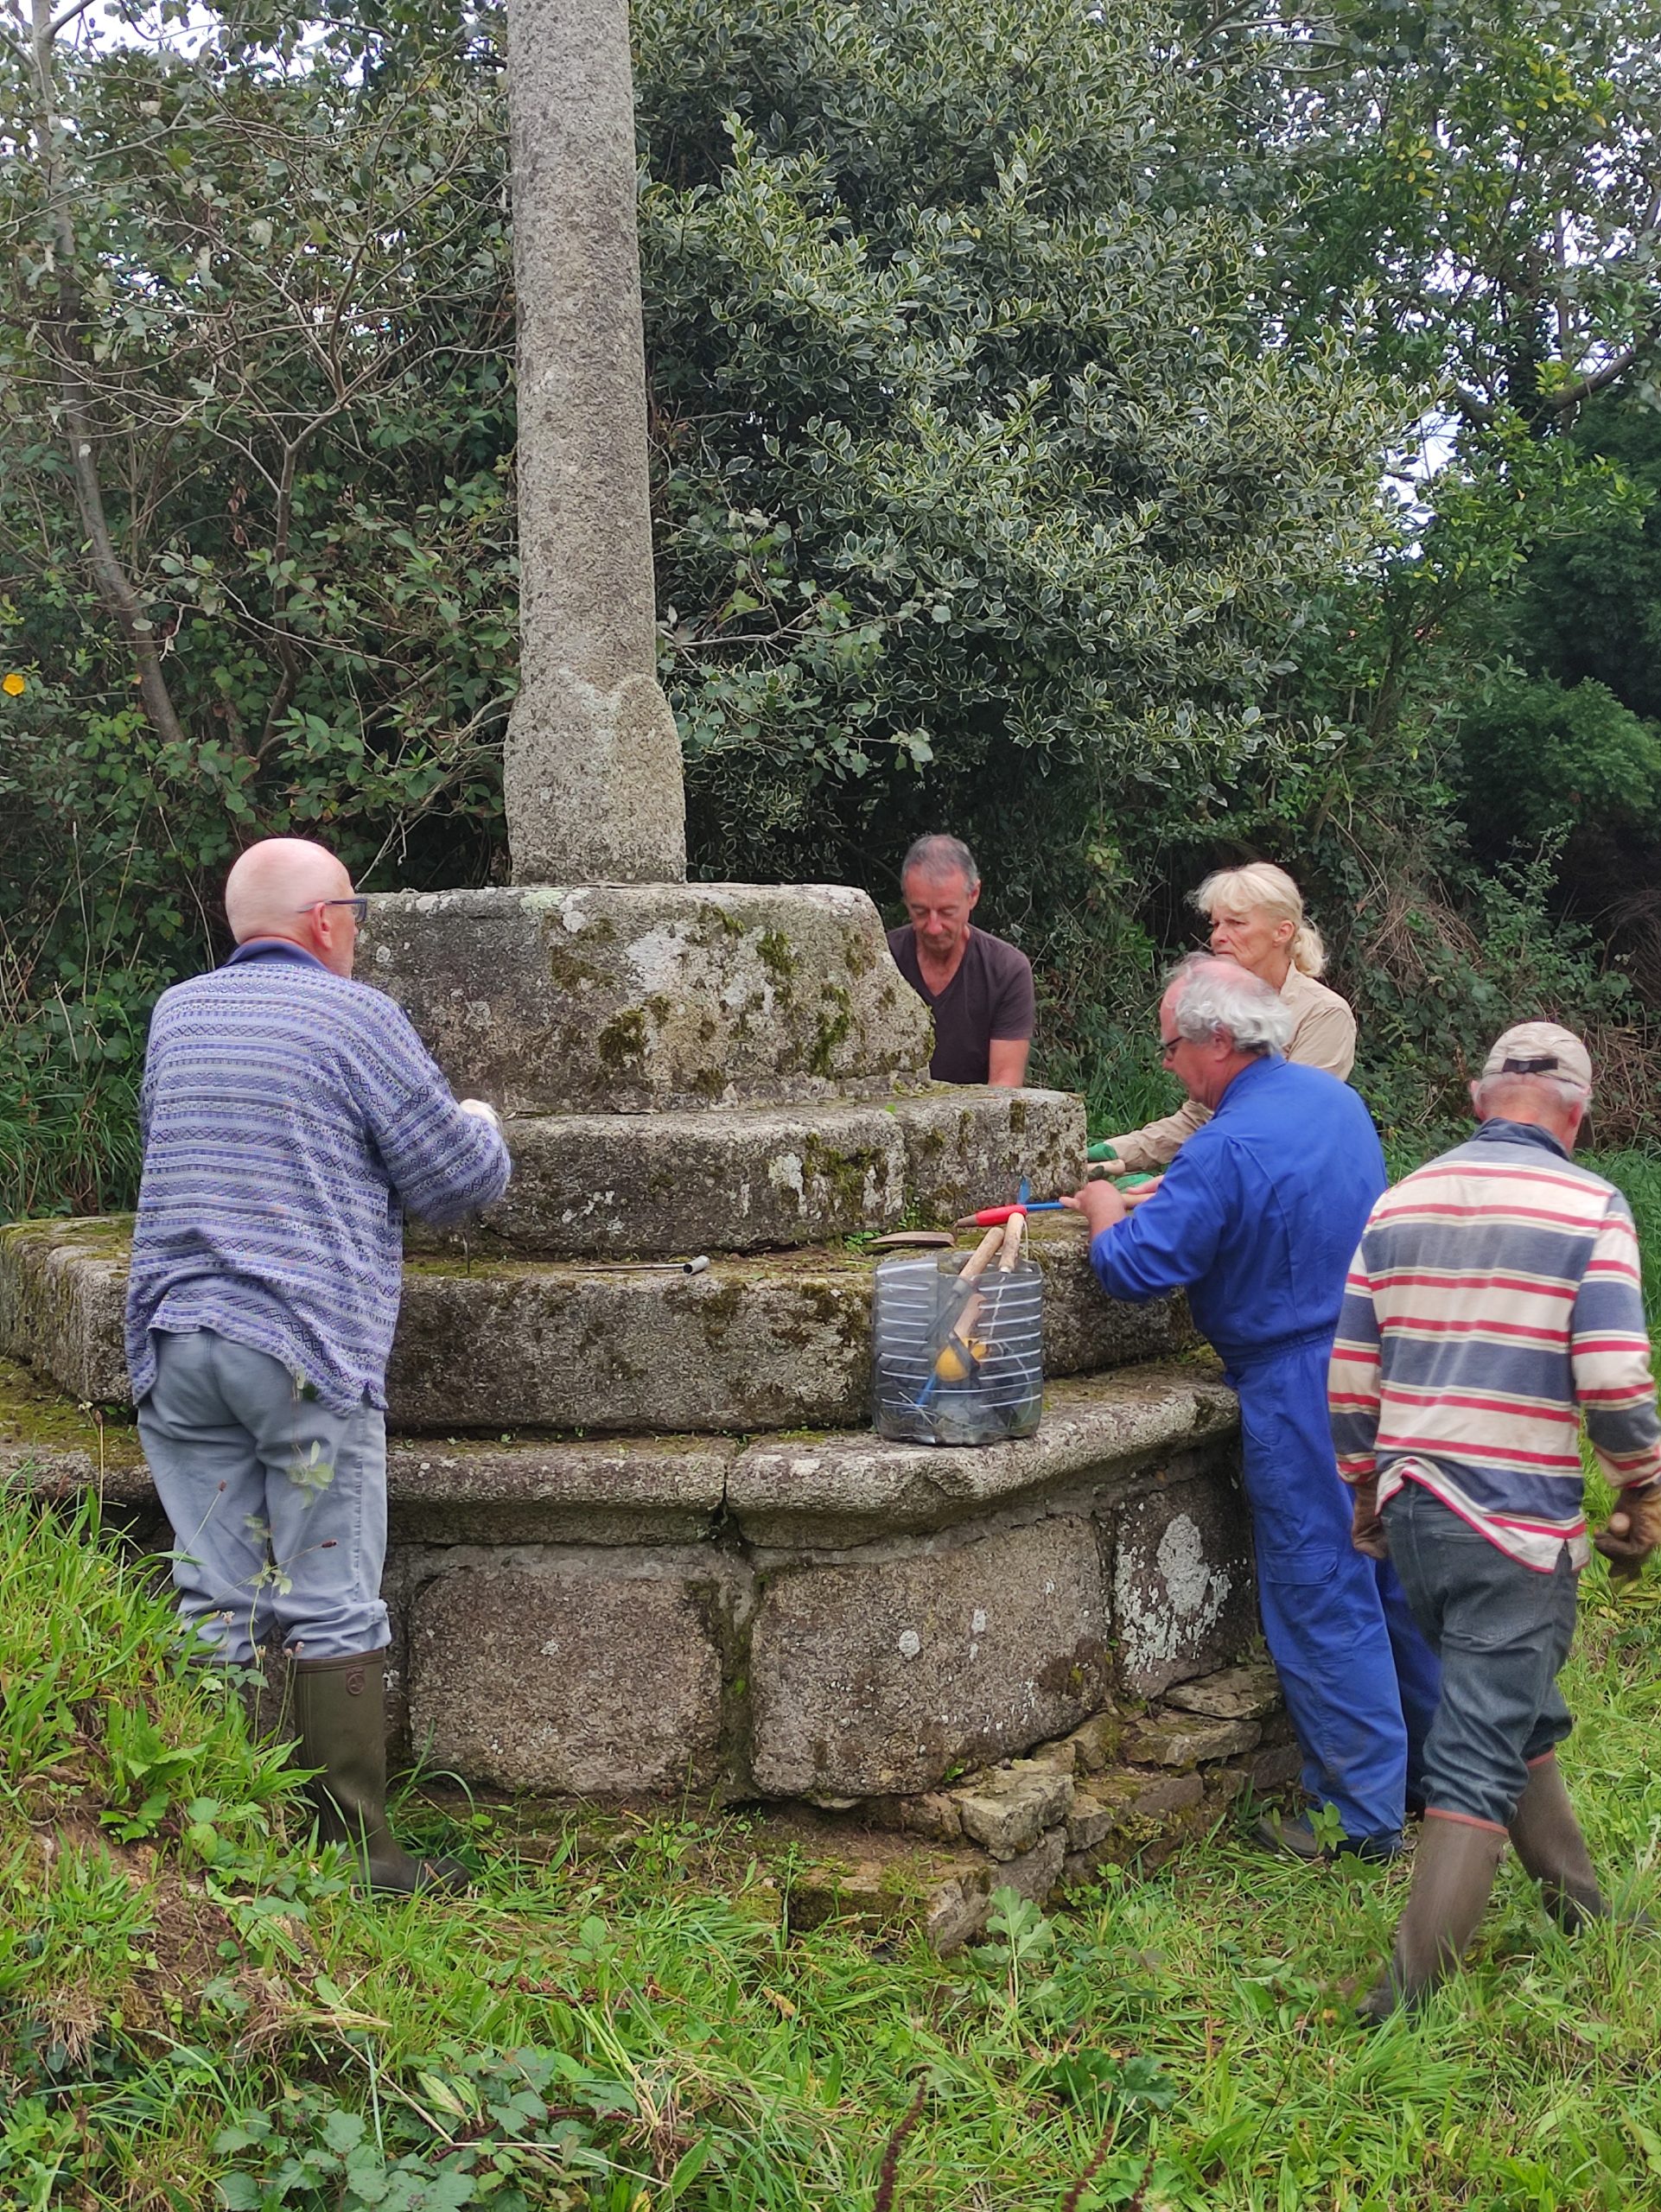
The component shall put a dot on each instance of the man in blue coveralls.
(1256, 1219)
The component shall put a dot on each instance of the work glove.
(1632, 1532)
(1103, 1157)
(1366, 1522)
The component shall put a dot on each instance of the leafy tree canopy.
(1024, 380)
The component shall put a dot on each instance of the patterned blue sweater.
(286, 1112)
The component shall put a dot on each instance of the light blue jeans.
(278, 1506)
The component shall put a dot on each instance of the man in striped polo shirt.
(289, 1115)
(1494, 1303)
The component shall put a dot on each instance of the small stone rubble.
(1124, 1788)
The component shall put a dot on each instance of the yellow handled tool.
(960, 1357)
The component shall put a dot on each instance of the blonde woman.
(1256, 918)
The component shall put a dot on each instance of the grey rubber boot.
(1547, 1838)
(340, 1714)
(1453, 1874)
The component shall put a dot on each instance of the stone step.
(831, 1616)
(777, 1341)
(632, 998)
(776, 1494)
(835, 1654)
(742, 1179)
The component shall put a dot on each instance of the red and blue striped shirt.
(1494, 1303)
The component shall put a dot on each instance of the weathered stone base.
(845, 1642)
(1126, 1789)
(832, 1617)
(743, 1178)
(1122, 1789)
(764, 1342)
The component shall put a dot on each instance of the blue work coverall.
(1257, 1218)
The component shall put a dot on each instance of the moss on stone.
(718, 1309)
(774, 951)
(100, 1235)
(790, 1264)
(829, 1302)
(470, 1266)
(567, 971)
(716, 917)
(833, 1029)
(34, 1417)
(848, 1174)
(621, 1043)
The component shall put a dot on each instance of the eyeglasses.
(358, 904)
(1168, 1046)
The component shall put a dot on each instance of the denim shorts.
(1502, 1633)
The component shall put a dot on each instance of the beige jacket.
(1324, 1037)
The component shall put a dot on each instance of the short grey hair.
(940, 856)
(1218, 994)
(1490, 1092)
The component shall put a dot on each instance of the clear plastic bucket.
(947, 1370)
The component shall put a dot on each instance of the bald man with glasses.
(290, 1115)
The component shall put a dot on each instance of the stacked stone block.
(643, 1538)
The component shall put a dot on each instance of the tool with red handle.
(995, 1216)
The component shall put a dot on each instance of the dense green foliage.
(1026, 382)
(1566, 751)
(195, 2011)
(982, 456)
(271, 299)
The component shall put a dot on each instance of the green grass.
(68, 1139)
(195, 2010)
(1639, 1175)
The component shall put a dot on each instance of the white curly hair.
(1220, 994)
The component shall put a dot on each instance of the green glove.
(1101, 1151)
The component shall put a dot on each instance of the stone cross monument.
(592, 768)
(642, 1537)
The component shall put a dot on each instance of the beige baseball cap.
(1541, 1048)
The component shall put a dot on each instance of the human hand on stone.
(1367, 1523)
(1632, 1531)
(481, 1111)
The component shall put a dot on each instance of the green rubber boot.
(1453, 1874)
(1546, 1837)
(340, 1714)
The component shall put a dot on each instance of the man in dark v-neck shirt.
(978, 988)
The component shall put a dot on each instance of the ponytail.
(1308, 953)
(1260, 883)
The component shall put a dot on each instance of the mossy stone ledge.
(759, 1341)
